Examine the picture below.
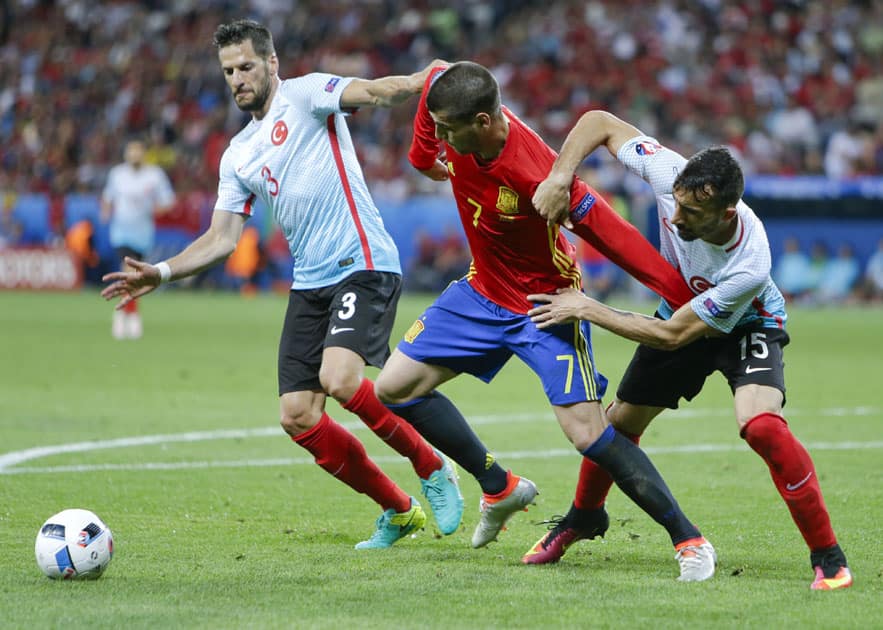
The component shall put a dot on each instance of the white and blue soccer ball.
(74, 545)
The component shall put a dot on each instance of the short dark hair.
(463, 90)
(238, 31)
(714, 168)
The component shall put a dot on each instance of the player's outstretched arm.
(214, 246)
(385, 91)
(128, 285)
(425, 154)
(594, 128)
(570, 305)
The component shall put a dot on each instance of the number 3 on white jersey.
(272, 182)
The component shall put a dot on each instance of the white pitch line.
(19, 457)
(392, 459)
(8, 460)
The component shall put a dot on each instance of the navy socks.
(638, 478)
(437, 419)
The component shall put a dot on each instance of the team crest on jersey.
(416, 328)
(279, 133)
(332, 83)
(507, 201)
(647, 148)
(699, 284)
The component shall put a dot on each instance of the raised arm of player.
(425, 146)
(594, 128)
(211, 248)
(670, 334)
(594, 220)
(385, 91)
(624, 245)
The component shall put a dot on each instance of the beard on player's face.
(260, 93)
(706, 227)
(696, 218)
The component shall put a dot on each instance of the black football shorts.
(357, 313)
(748, 355)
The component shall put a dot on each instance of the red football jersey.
(515, 252)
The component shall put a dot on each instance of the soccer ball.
(73, 545)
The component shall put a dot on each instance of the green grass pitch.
(220, 521)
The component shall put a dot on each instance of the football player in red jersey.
(494, 162)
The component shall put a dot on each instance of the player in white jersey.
(297, 156)
(133, 194)
(735, 324)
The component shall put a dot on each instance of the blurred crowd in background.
(793, 87)
(820, 276)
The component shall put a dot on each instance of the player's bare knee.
(582, 436)
(383, 395)
(295, 425)
(296, 418)
(585, 437)
(340, 384)
(389, 395)
(581, 445)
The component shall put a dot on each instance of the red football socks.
(341, 454)
(794, 475)
(393, 430)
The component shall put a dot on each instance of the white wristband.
(165, 272)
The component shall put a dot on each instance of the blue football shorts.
(466, 332)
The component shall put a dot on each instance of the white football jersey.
(732, 281)
(299, 160)
(134, 194)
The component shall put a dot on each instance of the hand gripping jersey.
(732, 280)
(514, 251)
(300, 161)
